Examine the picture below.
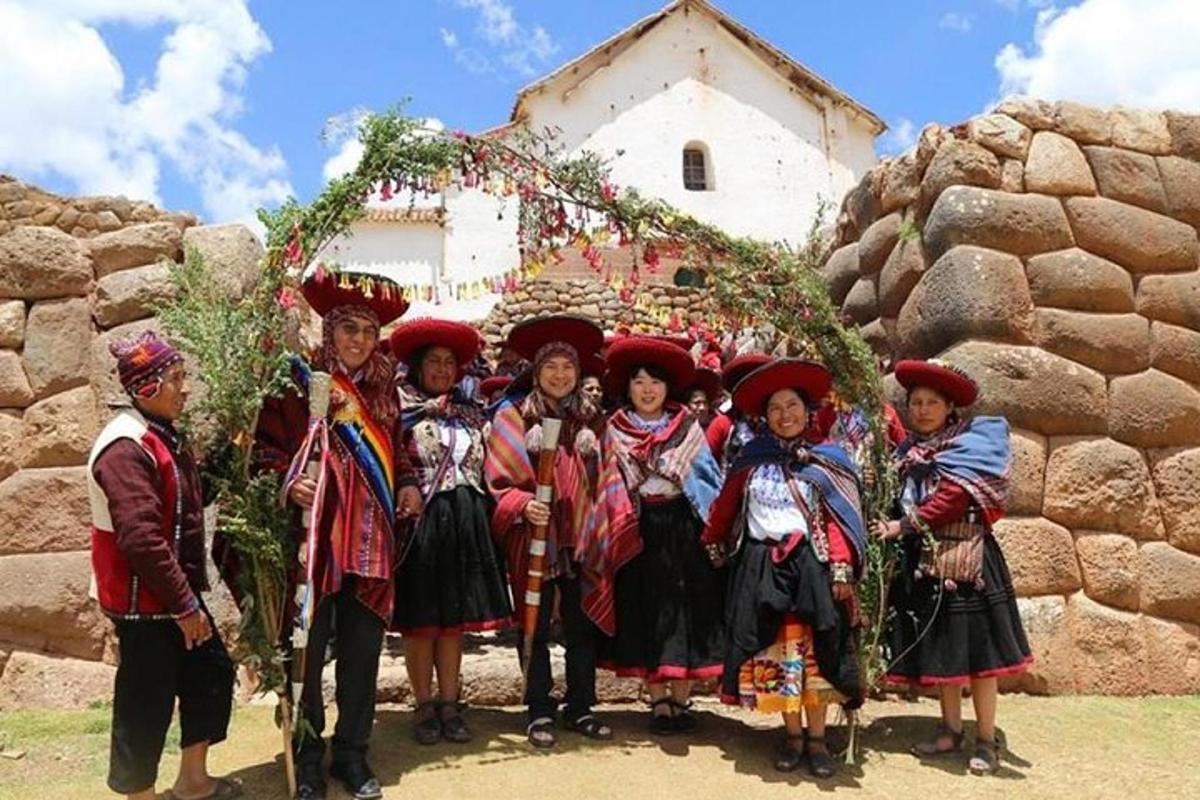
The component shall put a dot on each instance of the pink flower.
(287, 300)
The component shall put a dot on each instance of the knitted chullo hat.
(141, 363)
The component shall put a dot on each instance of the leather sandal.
(986, 759)
(662, 724)
(933, 748)
(789, 757)
(454, 727)
(541, 733)
(683, 719)
(820, 763)
(428, 727)
(590, 727)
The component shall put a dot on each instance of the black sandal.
(223, 789)
(986, 759)
(590, 727)
(662, 724)
(683, 719)
(932, 748)
(820, 762)
(428, 729)
(541, 733)
(454, 727)
(788, 757)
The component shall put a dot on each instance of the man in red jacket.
(148, 560)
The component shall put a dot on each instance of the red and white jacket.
(148, 557)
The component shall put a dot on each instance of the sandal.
(590, 727)
(788, 757)
(541, 732)
(685, 721)
(662, 724)
(820, 763)
(986, 759)
(223, 789)
(933, 748)
(428, 727)
(454, 727)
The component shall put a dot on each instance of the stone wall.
(74, 275)
(1051, 250)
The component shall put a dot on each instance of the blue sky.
(253, 83)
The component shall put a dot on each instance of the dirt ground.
(1082, 747)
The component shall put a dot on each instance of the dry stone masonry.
(1051, 250)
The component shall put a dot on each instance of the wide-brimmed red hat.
(943, 377)
(807, 377)
(740, 367)
(591, 365)
(497, 383)
(326, 290)
(581, 333)
(639, 351)
(677, 339)
(412, 336)
(706, 380)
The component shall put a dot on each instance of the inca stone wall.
(1051, 251)
(75, 273)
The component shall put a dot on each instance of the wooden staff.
(306, 590)
(551, 428)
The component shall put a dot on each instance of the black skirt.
(452, 580)
(938, 636)
(762, 591)
(669, 601)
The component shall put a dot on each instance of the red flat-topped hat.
(592, 365)
(809, 378)
(706, 380)
(581, 333)
(489, 387)
(677, 339)
(411, 336)
(740, 367)
(327, 289)
(639, 351)
(943, 377)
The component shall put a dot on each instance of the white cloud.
(70, 113)
(1107, 52)
(504, 43)
(900, 136)
(954, 21)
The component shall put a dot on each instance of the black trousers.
(155, 669)
(580, 636)
(357, 635)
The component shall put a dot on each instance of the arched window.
(697, 175)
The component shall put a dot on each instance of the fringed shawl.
(974, 454)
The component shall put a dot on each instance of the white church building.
(687, 105)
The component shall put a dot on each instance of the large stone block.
(1029, 111)
(1082, 122)
(1172, 656)
(1027, 481)
(1035, 390)
(1175, 350)
(1001, 134)
(231, 251)
(12, 445)
(12, 323)
(1077, 279)
(1110, 343)
(901, 183)
(1045, 622)
(1057, 166)
(45, 510)
(1110, 650)
(1176, 474)
(44, 604)
(135, 246)
(862, 203)
(14, 384)
(1137, 239)
(1139, 129)
(1153, 409)
(41, 263)
(862, 303)
(1181, 184)
(959, 163)
(1185, 133)
(1128, 176)
(1108, 562)
(840, 272)
(1040, 555)
(1023, 224)
(1170, 581)
(32, 681)
(968, 292)
(1099, 484)
(879, 334)
(877, 243)
(904, 267)
(131, 294)
(1171, 298)
(59, 431)
(56, 345)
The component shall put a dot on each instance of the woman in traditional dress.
(730, 429)
(369, 485)
(957, 621)
(576, 575)
(451, 580)
(791, 514)
(702, 395)
(669, 598)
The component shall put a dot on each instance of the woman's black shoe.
(358, 779)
